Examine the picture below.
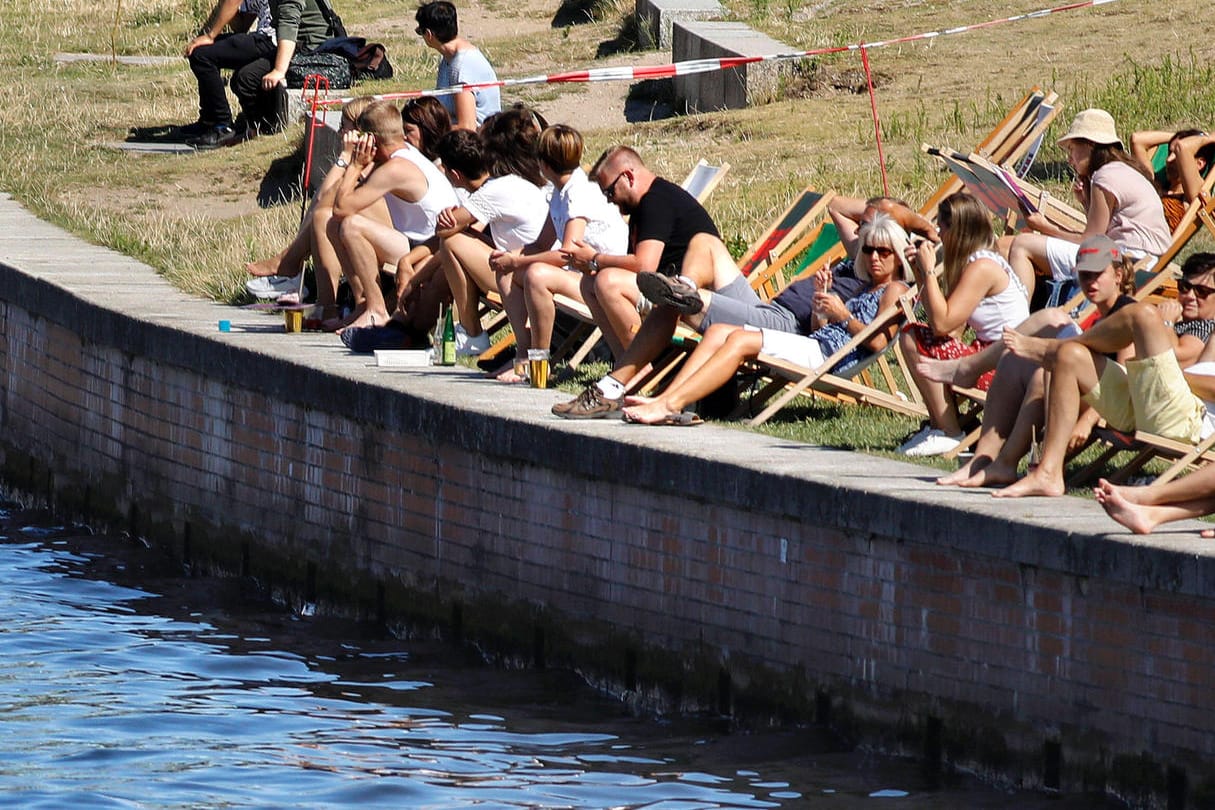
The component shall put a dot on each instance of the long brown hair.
(967, 228)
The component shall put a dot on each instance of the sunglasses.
(882, 252)
(609, 191)
(1202, 292)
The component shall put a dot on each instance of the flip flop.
(685, 419)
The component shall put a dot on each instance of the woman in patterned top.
(725, 347)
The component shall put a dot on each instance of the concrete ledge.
(655, 17)
(731, 89)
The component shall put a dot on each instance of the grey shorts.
(737, 313)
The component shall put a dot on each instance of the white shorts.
(791, 348)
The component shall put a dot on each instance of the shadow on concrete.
(650, 100)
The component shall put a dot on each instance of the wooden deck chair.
(1145, 447)
(808, 207)
(1017, 136)
(703, 179)
(789, 379)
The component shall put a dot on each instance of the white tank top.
(416, 220)
(1008, 307)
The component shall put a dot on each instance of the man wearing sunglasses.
(669, 233)
(1149, 393)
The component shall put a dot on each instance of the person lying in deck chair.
(726, 347)
(1142, 509)
(1149, 393)
(670, 232)
(1119, 200)
(1190, 153)
(793, 309)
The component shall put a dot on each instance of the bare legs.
(465, 259)
(612, 296)
(724, 348)
(942, 412)
(1142, 509)
(541, 282)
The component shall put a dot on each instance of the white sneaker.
(933, 443)
(273, 286)
(915, 439)
(470, 346)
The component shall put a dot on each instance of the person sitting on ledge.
(725, 347)
(415, 192)
(1149, 393)
(506, 197)
(670, 232)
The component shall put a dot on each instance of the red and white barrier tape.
(708, 65)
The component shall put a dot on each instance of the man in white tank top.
(415, 192)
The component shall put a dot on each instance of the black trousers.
(240, 53)
(264, 109)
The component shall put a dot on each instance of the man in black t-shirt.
(669, 233)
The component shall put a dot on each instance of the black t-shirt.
(672, 216)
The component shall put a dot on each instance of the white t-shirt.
(515, 210)
(579, 198)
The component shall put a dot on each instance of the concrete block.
(326, 143)
(731, 89)
(654, 18)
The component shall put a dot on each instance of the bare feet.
(993, 475)
(514, 372)
(651, 413)
(964, 472)
(366, 318)
(1027, 346)
(1136, 495)
(268, 267)
(950, 372)
(638, 399)
(1036, 484)
(1136, 517)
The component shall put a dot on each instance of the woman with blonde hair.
(279, 274)
(979, 290)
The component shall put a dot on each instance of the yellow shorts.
(1151, 395)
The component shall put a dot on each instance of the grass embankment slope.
(197, 219)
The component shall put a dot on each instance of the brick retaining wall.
(699, 568)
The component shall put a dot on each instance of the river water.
(127, 682)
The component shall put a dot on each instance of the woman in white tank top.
(979, 290)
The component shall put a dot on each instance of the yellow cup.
(537, 367)
(293, 320)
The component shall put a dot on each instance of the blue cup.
(225, 326)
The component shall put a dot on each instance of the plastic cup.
(293, 320)
(537, 367)
(225, 326)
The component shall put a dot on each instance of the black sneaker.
(367, 339)
(220, 135)
(663, 291)
(196, 130)
(590, 404)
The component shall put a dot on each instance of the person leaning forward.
(669, 233)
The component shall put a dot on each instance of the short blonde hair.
(883, 231)
(560, 147)
(383, 120)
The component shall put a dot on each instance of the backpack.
(371, 62)
(333, 66)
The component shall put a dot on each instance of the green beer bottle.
(447, 354)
